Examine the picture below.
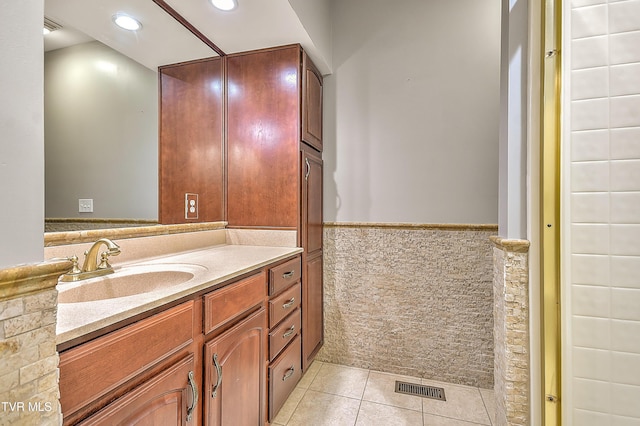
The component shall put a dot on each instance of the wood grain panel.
(233, 301)
(263, 109)
(284, 374)
(97, 367)
(282, 276)
(240, 397)
(162, 400)
(191, 140)
(311, 200)
(284, 304)
(311, 103)
(280, 336)
(312, 320)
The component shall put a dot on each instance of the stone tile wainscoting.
(410, 299)
(511, 331)
(29, 391)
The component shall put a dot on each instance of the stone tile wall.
(29, 393)
(511, 331)
(410, 299)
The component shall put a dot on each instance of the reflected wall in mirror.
(191, 142)
(101, 109)
(101, 134)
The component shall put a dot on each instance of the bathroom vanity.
(229, 329)
(223, 347)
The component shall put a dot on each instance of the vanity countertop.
(218, 265)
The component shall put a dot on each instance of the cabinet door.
(311, 200)
(191, 146)
(263, 138)
(312, 310)
(169, 398)
(311, 103)
(235, 374)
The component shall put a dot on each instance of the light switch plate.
(190, 206)
(85, 205)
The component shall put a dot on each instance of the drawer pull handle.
(289, 332)
(194, 396)
(289, 303)
(216, 364)
(288, 275)
(288, 373)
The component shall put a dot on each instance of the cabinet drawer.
(284, 375)
(283, 305)
(283, 334)
(282, 276)
(233, 301)
(96, 368)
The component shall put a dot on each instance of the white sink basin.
(128, 281)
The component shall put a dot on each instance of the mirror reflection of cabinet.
(191, 157)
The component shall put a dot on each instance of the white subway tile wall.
(604, 179)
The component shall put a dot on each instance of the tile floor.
(336, 395)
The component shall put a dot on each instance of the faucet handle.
(104, 260)
(74, 268)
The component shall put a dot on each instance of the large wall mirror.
(101, 108)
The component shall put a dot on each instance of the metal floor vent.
(420, 390)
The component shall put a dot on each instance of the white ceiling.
(162, 40)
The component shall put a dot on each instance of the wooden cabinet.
(311, 234)
(285, 322)
(235, 375)
(93, 373)
(191, 141)
(168, 398)
(203, 361)
(274, 144)
(263, 136)
(311, 103)
(284, 373)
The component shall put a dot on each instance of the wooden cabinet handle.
(288, 373)
(306, 175)
(289, 303)
(194, 396)
(289, 332)
(216, 364)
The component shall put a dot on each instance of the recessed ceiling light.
(225, 4)
(126, 22)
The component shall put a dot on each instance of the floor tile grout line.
(297, 405)
(485, 407)
(362, 397)
(368, 379)
(303, 393)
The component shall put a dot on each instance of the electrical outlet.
(85, 205)
(190, 206)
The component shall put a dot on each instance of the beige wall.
(411, 117)
(21, 132)
(101, 134)
(601, 286)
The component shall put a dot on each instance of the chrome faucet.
(91, 268)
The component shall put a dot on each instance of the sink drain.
(423, 391)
